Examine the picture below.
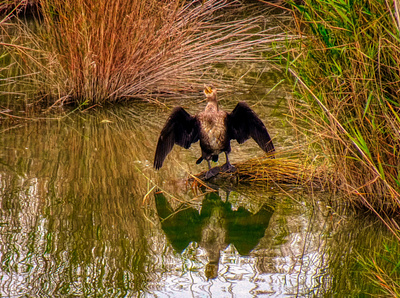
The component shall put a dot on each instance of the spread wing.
(182, 129)
(243, 123)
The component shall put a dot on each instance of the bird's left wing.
(243, 123)
(182, 129)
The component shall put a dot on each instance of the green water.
(80, 216)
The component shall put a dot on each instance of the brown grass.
(19, 7)
(282, 170)
(107, 51)
(285, 170)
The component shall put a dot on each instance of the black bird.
(214, 128)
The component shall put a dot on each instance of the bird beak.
(207, 89)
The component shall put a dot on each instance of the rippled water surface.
(81, 215)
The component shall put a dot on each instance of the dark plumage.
(214, 128)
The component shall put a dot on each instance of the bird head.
(210, 92)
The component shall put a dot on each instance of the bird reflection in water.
(213, 228)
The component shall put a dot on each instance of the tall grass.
(19, 7)
(348, 70)
(20, 60)
(106, 51)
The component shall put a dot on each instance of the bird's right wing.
(182, 129)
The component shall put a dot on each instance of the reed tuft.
(101, 51)
(19, 7)
(348, 72)
(295, 171)
(282, 170)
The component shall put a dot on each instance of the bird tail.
(199, 160)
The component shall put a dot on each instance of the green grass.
(348, 70)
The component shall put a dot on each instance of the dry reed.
(19, 7)
(281, 170)
(294, 171)
(106, 51)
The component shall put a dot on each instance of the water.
(80, 215)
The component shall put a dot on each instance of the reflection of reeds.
(383, 268)
(74, 183)
(353, 239)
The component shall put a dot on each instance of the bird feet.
(212, 172)
(228, 168)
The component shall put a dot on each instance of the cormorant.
(214, 128)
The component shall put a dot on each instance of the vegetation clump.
(348, 70)
(19, 7)
(293, 171)
(102, 51)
